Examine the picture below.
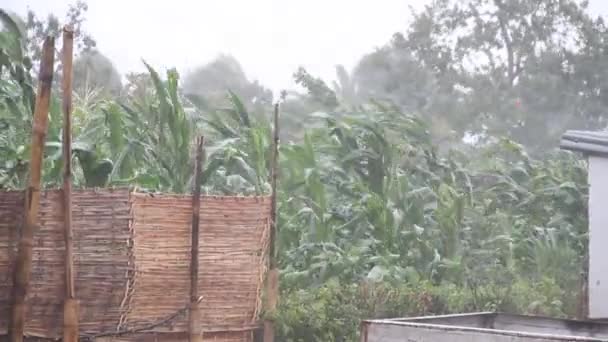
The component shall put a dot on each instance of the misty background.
(270, 38)
(473, 69)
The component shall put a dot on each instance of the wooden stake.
(23, 265)
(272, 278)
(70, 309)
(274, 173)
(195, 331)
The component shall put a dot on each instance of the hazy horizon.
(270, 38)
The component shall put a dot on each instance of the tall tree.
(37, 29)
(93, 70)
(394, 75)
(210, 84)
(495, 67)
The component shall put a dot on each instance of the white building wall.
(598, 237)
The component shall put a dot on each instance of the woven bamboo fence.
(131, 258)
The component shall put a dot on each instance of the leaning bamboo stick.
(272, 279)
(23, 265)
(70, 306)
(273, 182)
(194, 326)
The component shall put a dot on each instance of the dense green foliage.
(376, 218)
(370, 202)
(333, 312)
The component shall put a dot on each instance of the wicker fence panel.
(233, 240)
(101, 221)
(11, 216)
(132, 263)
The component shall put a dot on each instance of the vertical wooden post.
(70, 305)
(194, 326)
(272, 278)
(23, 265)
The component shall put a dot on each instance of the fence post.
(195, 333)
(272, 278)
(70, 305)
(23, 265)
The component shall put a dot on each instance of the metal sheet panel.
(413, 332)
(486, 326)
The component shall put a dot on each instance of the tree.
(211, 82)
(513, 57)
(93, 70)
(394, 75)
(494, 67)
(317, 89)
(38, 29)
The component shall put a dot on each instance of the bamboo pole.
(272, 279)
(194, 326)
(70, 305)
(23, 265)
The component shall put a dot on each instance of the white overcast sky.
(270, 38)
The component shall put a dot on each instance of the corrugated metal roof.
(589, 142)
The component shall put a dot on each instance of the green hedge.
(332, 312)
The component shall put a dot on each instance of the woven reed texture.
(233, 242)
(241, 336)
(244, 336)
(132, 255)
(101, 221)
